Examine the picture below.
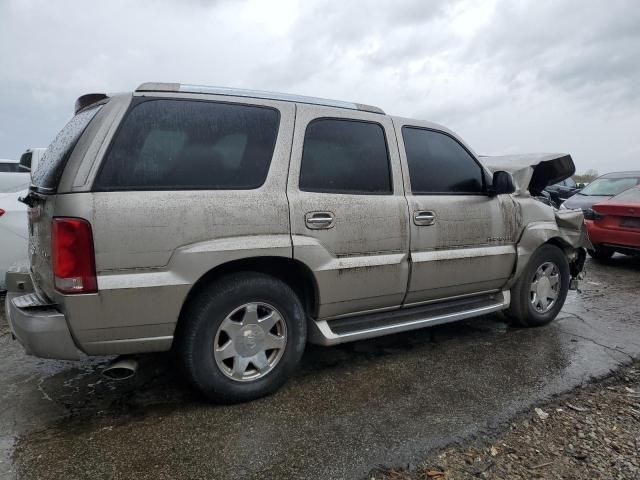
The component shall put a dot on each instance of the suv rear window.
(191, 145)
(54, 159)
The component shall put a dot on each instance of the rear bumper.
(40, 327)
(622, 238)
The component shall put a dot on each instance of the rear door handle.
(424, 217)
(319, 220)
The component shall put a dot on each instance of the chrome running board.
(333, 332)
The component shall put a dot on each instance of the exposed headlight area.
(590, 214)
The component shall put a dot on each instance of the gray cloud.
(586, 49)
(509, 76)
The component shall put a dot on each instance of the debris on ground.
(593, 432)
(543, 415)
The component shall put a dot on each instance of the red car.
(614, 225)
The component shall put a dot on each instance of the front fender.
(567, 231)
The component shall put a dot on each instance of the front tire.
(242, 337)
(540, 292)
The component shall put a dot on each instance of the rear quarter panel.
(152, 246)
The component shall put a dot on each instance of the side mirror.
(502, 183)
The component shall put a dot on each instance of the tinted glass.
(345, 156)
(9, 167)
(54, 159)
(176, 144)
(25, 161)
(439, 164)
(608, 187)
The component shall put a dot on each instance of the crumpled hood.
(534, 171)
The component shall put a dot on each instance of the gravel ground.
(594, 432)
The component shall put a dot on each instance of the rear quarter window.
(166, 144)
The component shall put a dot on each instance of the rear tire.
(601, 253)
(242, 337)
(540, 292)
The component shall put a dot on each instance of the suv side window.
(345, 156)
(439, 164)
(178, 144)
(25, 161)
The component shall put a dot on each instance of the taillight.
(1, 212)
(74, 267)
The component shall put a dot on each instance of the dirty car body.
(234, 226)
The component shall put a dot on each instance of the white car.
(30, 159)
(14, 182)
(13, 222)
(7, 165)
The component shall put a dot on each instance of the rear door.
(462, 239)
(349, 218)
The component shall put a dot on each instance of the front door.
(349, 217)
(462, 239)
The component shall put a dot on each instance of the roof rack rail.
(239, 92)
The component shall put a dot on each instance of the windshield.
(629, 196)
(54, 159)
(608, 187)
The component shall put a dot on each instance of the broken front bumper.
(38, 326)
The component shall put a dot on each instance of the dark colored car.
(602, 188)
(561, 191)
(614, 225)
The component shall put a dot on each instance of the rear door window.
(54, 159)
(184, 145)
(345, 156)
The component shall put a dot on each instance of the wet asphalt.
(388, 401)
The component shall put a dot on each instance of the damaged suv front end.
(538, 223)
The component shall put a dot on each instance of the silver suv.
(235, 226)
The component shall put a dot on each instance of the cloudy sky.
(509, 76)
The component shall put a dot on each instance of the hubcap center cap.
(250, 340)
(544, 288)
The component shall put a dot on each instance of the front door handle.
(424, 217)
(319, 220)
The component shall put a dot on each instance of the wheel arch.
(292, 272)
(545, 233)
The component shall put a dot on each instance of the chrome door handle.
(319, 220)
(424, 218)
